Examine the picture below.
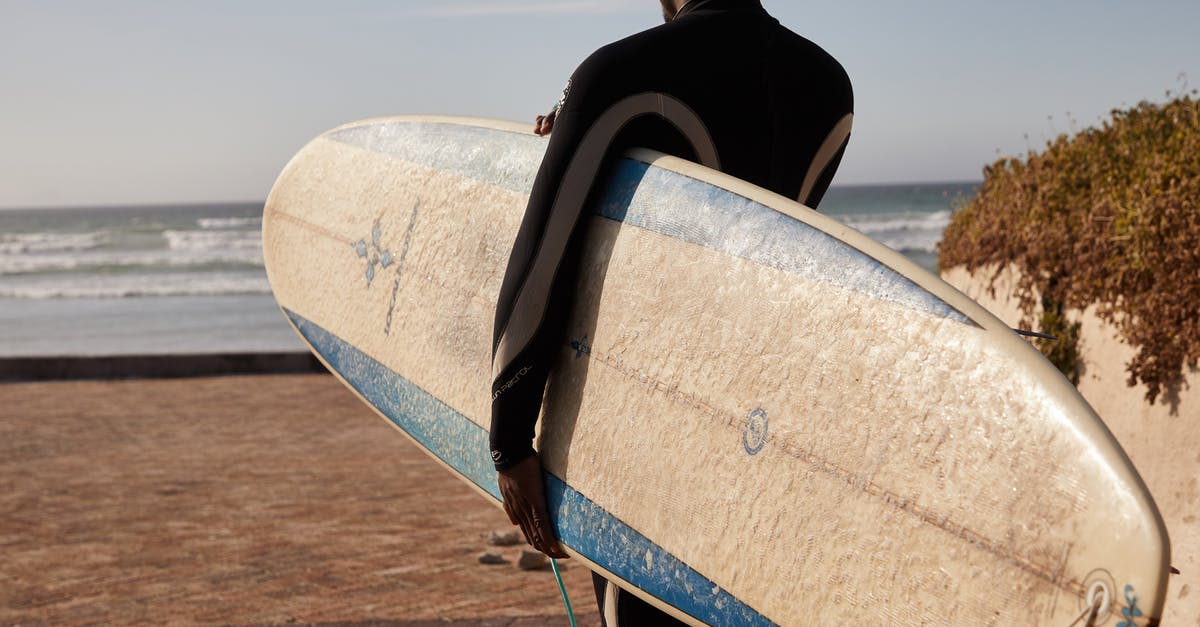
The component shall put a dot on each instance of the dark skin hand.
(545, 123)
(525, 503)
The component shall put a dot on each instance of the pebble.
(491, 557)
(505, 537)
(532, 560)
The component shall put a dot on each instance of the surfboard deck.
(759, 416)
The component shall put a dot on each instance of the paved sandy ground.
(235, 500)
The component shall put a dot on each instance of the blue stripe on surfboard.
(682, 207)
(500, 158)
(580, 523)
(658, 200)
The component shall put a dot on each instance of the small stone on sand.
(491, 557)
(532, 560)
(504, 537)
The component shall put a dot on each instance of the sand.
(236, 500)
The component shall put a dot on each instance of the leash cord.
(563, 590)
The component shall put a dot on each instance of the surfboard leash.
(563, 590)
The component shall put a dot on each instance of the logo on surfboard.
(754, 433)
(376, 256)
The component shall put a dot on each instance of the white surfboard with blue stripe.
(759, 415)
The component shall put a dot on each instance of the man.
(721, 83)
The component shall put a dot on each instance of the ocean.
(907, 218)
(190, 278)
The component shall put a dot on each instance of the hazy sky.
(128, 101)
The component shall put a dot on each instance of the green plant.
(1108, 217)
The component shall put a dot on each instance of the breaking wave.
(19, 243)
(136, 285)
(228, 223)
(213, 240)
(904, 232)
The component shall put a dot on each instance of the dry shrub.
(1111, 217)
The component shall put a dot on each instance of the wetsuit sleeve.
(518, 386)
(531, 312)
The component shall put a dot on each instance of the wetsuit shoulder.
(809, 64)
(627, 66)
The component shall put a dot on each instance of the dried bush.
(1109, 216)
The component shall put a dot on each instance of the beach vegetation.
(1109, 218)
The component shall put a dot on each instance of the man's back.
(768, 97)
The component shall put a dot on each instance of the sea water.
(190, 279)
(137, 280)
(908, 218)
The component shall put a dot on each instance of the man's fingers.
(512, 518)
(525, 520)
(536, 530)
(543, 124)
(539, 530)
(549, 540)
(525, 503)
(508, 500)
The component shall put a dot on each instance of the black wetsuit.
(722, 84)
(770, 100)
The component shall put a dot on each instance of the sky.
(109, 102)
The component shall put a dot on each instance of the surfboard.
(759, 415)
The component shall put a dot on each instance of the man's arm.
(531, 312)
(519, 385)
(519, 382)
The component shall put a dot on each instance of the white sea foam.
(110, 261)
(213, 240)
(18, 243)
(228, 223)
(909, 231)
(136, 285)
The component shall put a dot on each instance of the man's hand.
(545, 123)
(525, 503)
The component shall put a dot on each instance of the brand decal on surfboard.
(375, 255)
(754, 434)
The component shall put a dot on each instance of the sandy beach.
(266, 499)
